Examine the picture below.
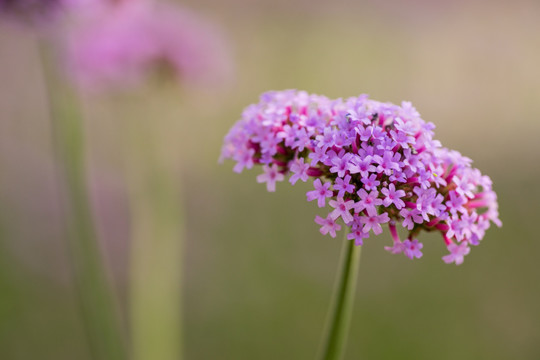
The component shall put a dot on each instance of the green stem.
(157, 231)
(98, 305)
(341, 310)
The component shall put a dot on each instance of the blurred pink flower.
(119, 43)
(32, 12)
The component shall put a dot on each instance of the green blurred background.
(258, 276)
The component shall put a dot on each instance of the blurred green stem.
(341, 309)
(157, 230)
(97, 300)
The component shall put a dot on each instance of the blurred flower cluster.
(119, 43)
(376, 162)
(31, 11)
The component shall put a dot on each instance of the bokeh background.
(258, 276)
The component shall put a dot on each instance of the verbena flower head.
(118, 43)
(376, 163)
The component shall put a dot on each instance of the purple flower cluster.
(29, 11)
(376, 163)
(119, 43)
(42, 14)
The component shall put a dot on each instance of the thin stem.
(157, 231)
(97, 302)
(341, 310)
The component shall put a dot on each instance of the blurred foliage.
(258, 275)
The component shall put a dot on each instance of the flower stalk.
(156, 233)
(339, 317)
(97, 301)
